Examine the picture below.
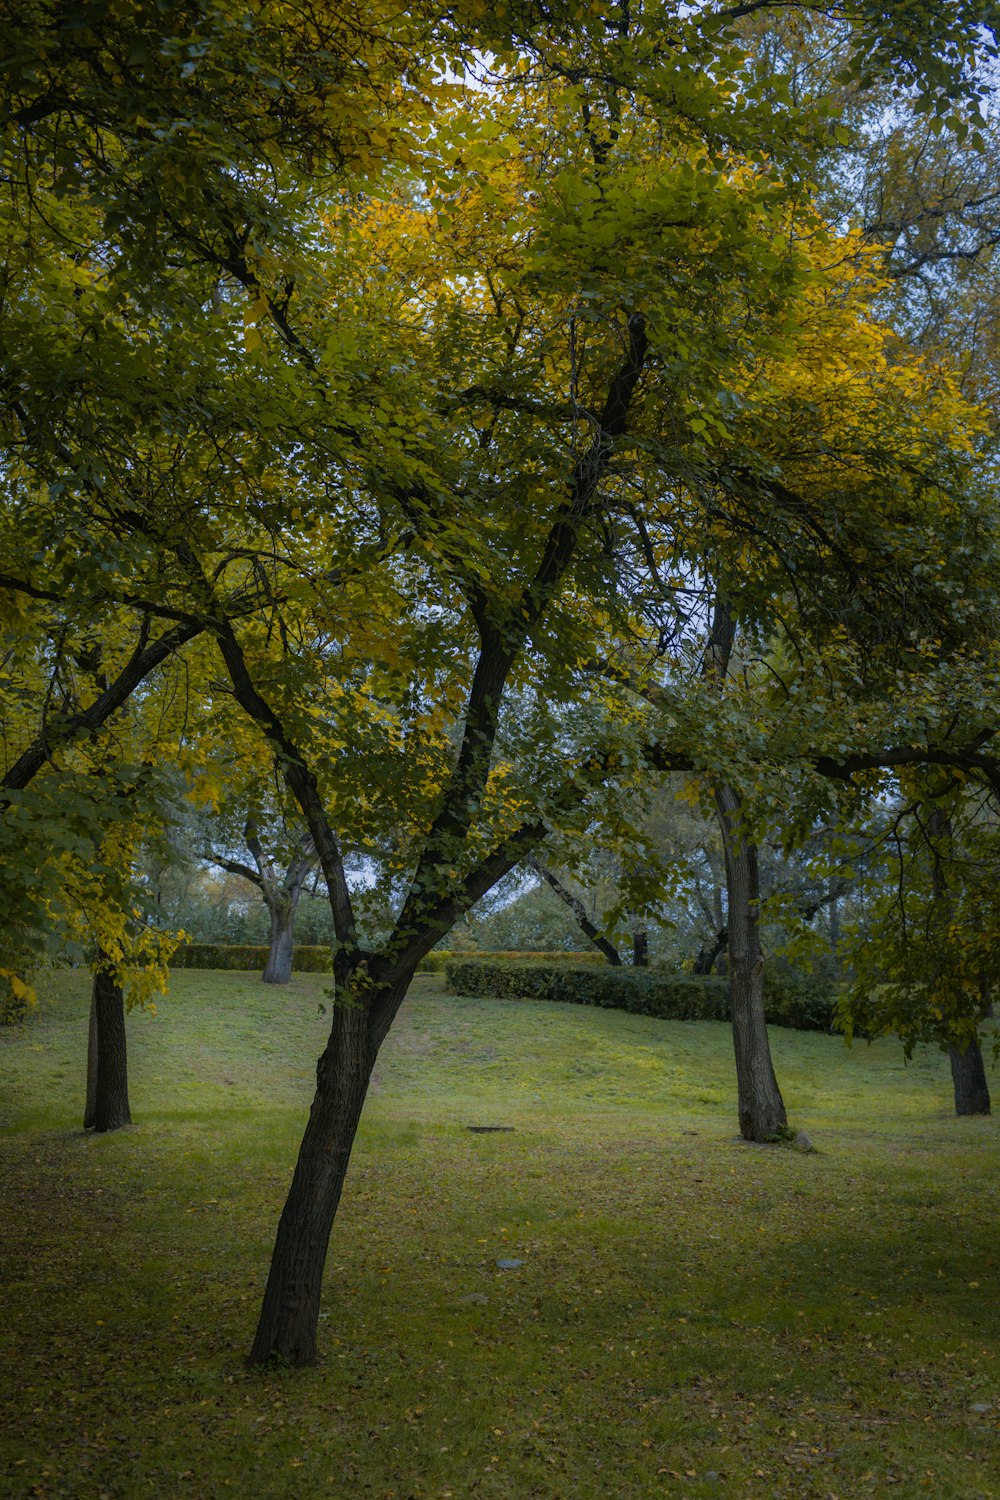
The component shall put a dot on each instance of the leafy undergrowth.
(691, 1317)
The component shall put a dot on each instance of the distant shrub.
(307, 958)
(16, 998)
(644, 992)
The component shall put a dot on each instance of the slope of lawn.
(689, 1316)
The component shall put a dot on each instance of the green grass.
(694, 1317)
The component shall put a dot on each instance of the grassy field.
(691, 1316)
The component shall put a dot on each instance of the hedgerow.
(646, 992)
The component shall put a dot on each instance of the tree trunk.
(278, 969)
(761, 1107)
(640, 948)
(968, 1074)
(705, 960)
(290, 1313)
(111, 1107)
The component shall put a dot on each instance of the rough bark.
(761, 1108)
(717, 910)
(640, 948)
(290, 1311)
(968, 1075)
(111, 1103)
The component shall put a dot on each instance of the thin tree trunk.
(281, 897)
(278, 969)
(968, 1074)
(111, 1106)
(761, 1107)
(290, 1311)
(576, 906)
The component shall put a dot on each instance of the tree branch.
(233, 867)
(578, 909)
(63, 730)
(300, 779)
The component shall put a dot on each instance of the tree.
(71, 816)
(280, 888)
(444, 879)
(925, 960)
(428, 417)
(107, 1106)
(465, 836)
(761, 1108)
(622, 880)
(844, 582)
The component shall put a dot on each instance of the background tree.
(924, 963)
(280, 875)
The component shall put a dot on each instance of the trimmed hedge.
(307, 958)
(435, 962)
(643, 992)
(316, 958)
(438, 959)
(799, 999)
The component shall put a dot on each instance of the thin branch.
(578, 909)
(233, 867)
(63, 730)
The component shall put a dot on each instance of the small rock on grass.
(509, 1265)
